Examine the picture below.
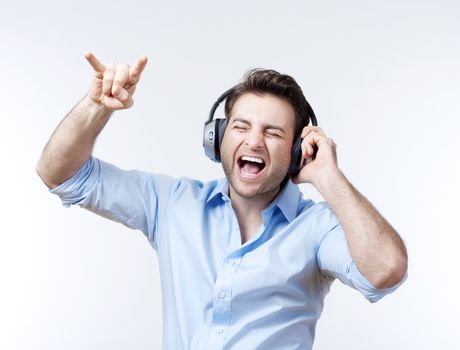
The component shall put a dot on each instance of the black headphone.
(214, 131)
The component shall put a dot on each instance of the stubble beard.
(271, 186)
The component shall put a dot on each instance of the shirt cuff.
(372, 293)
(77, 188)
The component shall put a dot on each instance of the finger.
(120, 77)
(136, 71)
(305, 160)
(306, 130)
(132, 89)
(307, 149)
(319, 130)
(114, 103)
(95, 88)
(306, 157)
(94, 62)
(107, 81)
(317, 141)
(120, 94)
(312, 142)
(310, 150)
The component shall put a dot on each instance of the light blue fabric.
(217, 293)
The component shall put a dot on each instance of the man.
(245, 261)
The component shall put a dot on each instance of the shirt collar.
(287, 200)
(220, 190)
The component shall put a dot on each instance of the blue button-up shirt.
(267, 293)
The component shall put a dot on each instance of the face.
(256, 146)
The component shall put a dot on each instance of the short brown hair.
(269, 81)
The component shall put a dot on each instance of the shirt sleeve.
(134, 198)
(334, 259)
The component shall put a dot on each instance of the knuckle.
(124, 96)
(119, 81)
(129, 103)
(134, 75)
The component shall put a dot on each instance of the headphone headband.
(217, 103)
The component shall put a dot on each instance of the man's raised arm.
(375, 246)
(71, 144)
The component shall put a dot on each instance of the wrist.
(90, 115)
(90, 110)
(93, 106)
(330, 181)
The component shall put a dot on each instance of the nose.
(254, 139)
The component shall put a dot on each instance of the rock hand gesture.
(113, 86)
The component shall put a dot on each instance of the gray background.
(382, 76)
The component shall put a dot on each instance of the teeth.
(252, 159)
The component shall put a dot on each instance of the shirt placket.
(222, 303)
(222, 293)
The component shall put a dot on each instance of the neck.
(249, 211)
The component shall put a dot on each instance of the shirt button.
(222, 295)
(233, 262)
(220, 330)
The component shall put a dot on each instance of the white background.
(382, 76)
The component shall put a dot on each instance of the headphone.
(214, 131)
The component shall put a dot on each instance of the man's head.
(256, 146)
(268, 81)
(264, 115)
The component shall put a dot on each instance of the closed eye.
(240, 124)
(273, 134)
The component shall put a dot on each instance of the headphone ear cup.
(296, 157)
(212, 137)
(209, 139)
(221, 125)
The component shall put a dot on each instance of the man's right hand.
(71, 144)
(113, 86)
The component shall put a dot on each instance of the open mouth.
(250, 166)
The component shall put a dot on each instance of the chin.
(246, 193)
(252, 191)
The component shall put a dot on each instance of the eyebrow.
(267, 126)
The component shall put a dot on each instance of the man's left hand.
(324, 164)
